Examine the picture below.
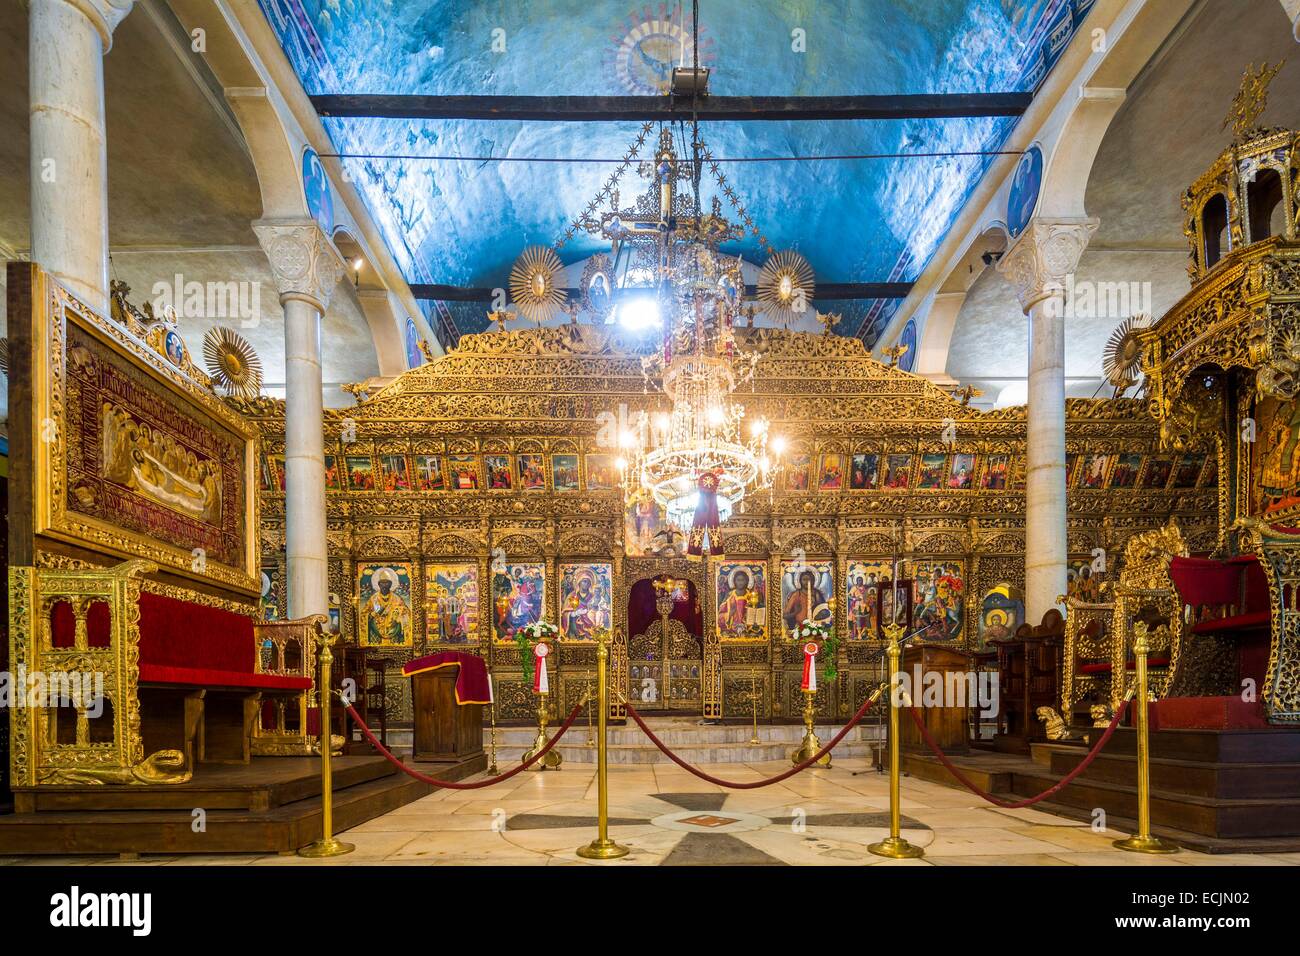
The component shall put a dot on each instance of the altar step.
(270, 805)
(1214, 791)
(694, 742)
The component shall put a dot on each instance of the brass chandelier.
(664, 272)
(698, 368)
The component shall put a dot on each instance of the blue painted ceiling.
(464, 222)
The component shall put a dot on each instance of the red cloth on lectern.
(471, 682)
(706, 521)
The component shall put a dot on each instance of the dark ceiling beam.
(825, 292)
(610, 109)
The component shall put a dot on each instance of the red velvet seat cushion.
(206, 677)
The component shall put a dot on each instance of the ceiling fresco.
(462, 219)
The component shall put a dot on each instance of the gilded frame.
(54, 307)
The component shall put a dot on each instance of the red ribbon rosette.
(541, 650)
(810, 666)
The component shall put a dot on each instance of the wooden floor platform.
(270, 805)
(1219, 791)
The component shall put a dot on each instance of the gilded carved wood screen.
(480, 481)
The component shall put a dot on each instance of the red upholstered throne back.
(179, 634)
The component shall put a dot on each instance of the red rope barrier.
(1019, 804)
(732, 785)
(478, 784)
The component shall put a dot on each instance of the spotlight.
(778, 444)
(639, 313)
(689, 80)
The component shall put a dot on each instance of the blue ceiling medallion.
(652, 45)
(316, 191)
(907, 361)
(414, 357)
(1025, 186)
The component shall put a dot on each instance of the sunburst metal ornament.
(785, 286)
(1123, 354)
(232, 363)
(535, 283)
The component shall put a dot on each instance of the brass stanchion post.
(754, 699)
(894, 846)
(1143, 841)
(602, 848)
(492, 716)
(326, 845)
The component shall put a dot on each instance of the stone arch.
(384, 316)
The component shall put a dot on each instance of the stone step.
(694, 742)
(672, 736)
(694, 755)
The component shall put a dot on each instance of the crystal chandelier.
(698, 364)
(698, 367)
(664, 272)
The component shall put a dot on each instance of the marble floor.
(665, 816)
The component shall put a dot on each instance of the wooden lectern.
(946, 725)
(444, 730)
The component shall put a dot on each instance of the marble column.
(306, 267)
(1037, 266)
(67, 40)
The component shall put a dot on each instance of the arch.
(1216, 237)
(382, 312)
(1264, 195)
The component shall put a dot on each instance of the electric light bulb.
(639, 313)
(778, 444)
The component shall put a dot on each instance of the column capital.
(1046, 252)
(104, 14)
(304, 261)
